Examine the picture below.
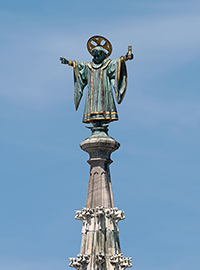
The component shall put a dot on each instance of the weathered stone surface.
(99, 218)
(99, 188)
(80, 262)
(120, 262)
(100, 246)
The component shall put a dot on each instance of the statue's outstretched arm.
(66, 62)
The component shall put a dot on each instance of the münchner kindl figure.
(100, 75)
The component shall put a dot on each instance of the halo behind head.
(100, 42)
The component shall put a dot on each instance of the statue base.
(99, 129)
(99, 132)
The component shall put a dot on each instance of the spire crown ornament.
(100, 245)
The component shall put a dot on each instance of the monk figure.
(101, 76)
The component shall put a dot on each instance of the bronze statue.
(100, 75)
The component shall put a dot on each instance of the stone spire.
(100, 246)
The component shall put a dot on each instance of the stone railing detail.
(84, 214)
(80, 262)
(99, 218)
(111, 213)
(115, 214)
(120, 262)
(100, 258)
(100, 211)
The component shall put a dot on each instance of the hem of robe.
(106, 116)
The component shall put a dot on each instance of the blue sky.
(44, 173)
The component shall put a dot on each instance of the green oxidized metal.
(100, 76)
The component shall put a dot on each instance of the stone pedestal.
(99, 188)
(100, 247)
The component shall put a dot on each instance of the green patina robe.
(99, 103)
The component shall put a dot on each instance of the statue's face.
(99, 56)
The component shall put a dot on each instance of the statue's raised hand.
(129, 56)
(64, 60)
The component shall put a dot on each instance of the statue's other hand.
(64, 60)
(129, 57)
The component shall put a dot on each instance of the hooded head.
(99, 54)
